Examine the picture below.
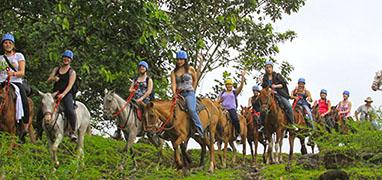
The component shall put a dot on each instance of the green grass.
(104, 160)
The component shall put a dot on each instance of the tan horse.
(8, 114)
(302, 133)
(275, 122)
(226, 135)
(178, 128)
(253, 134)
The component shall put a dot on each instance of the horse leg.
(269, 159)
(243, 141)
(158, 143)
(212, 150)
(80, 143)
(251, 149)
(31, 133)
(54, 148)
(303, 147)
(203, 151)
(225, 152)
(280, 140)
(292, 136)
(132, 135)
(219, 144)
(233, 150)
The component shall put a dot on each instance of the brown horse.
(340, 124)
(275, 123)
(322, 121)
(226, 134)
(298, 114)
(253, 134)
(8, 114)
(178, 128)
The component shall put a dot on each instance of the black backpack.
(152, 94)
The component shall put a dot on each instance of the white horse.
(377, 81)
(55, 126)
(127, 120)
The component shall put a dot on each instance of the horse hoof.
(56, 165)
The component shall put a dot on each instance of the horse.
(376, 85)
(275, 123)
(177, 127)
(302, 133)
(55, 125)
(8, 114)
(323, 121)
(127, 120)
(339, 121)
(253, 134)
(226, 134)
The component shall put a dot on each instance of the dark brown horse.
(253, 134)
(302, 133)
(8, 114)
(340, 124)
(178, 128)
(275, 123)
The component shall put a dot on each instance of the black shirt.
(276, 79)
(255, 104)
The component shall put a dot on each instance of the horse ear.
(106, 91)
(150, 105)
(40, 93)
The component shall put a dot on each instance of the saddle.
(183, 106)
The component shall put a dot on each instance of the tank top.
(63, 81)
(344, 106)
(142, 89)
(302, 94)
(184, 82)
(323, 106)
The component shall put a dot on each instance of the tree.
(213, 31)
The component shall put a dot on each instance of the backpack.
(152, 94)
(234, 92)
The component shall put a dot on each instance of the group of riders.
(13, 65)
(183, 83)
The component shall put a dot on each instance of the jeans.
(191, 106)
(309, 112)
(69, 111)
(234, 119)
(288, 109)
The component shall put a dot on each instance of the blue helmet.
(346, 93)
(269, 63)
(144, 64)
(323, 91)
(255, 88)
(181, 55)
(8, 36)
(68, 53)
(301, 80)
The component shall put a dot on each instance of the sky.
(337, 48)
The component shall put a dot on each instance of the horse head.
(266, 99)
(110, 104)
(377, 81)
(48, 106)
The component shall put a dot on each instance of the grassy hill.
(359, 154)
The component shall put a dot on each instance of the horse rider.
(303, 98)
(363, 112)
(228, 99)
(344, 106)
(64, 77)
(14, 67)
(184, 81)
(278, 83)
(255, 105)
(324, 105)
(142, 87)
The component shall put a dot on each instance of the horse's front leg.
(132, 135)
(212, 150)
(54, 148)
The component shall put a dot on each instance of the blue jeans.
(191, 106)
(288, 109)
(309, 112)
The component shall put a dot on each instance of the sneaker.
(261, 128)
(199, 133)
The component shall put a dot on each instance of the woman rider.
(303, 97)
(183, 80)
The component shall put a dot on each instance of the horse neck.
(120, 103)
(274, 110)
(163, 107)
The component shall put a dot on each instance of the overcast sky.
(337, 48)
